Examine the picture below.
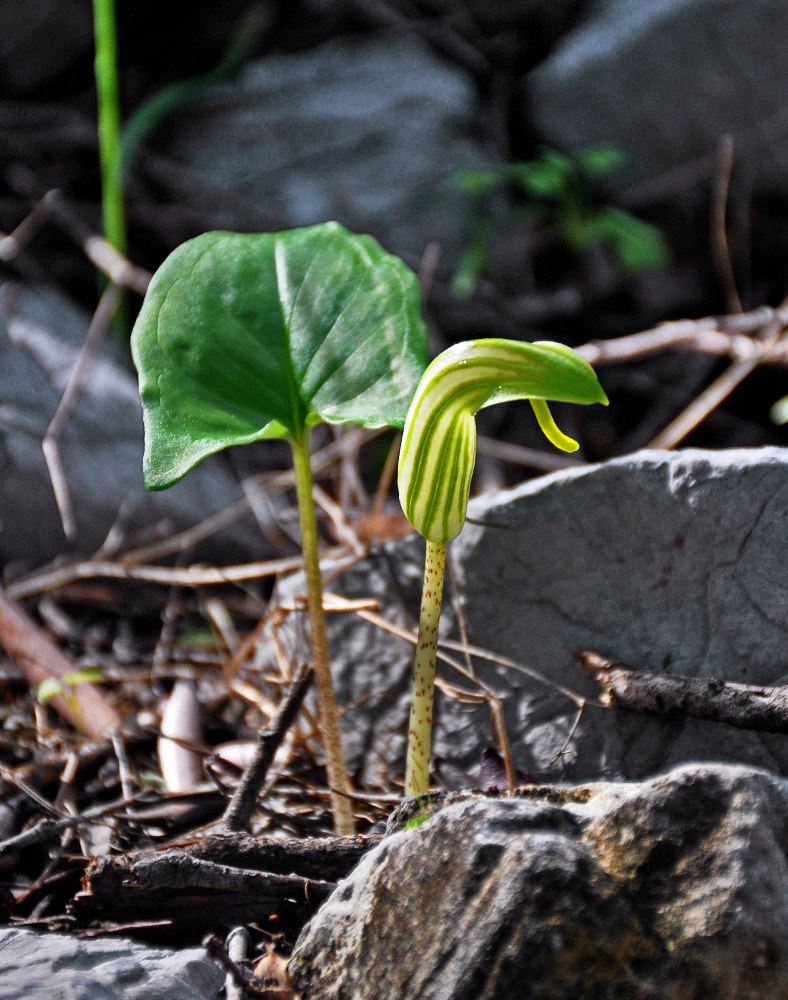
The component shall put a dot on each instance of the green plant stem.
(417, 771)
(338, 782)
(106, 71)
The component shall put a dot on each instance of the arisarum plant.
(436, 463)
(245, 336)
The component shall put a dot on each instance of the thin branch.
(718, 225)
(99, 325)
(99, 252)
(241, 805)
(703, 404)
(46, 831)
(13, 243)
(746, 706)
(720, 389)
(343, 530)
(724, 336)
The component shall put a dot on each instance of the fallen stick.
(220, 879)
(39, 659)
(241, 805)
(48, 830)
(746, 706)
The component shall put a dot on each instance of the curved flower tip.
(438, 450)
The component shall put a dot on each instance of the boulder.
(672, 888)
(41, 966)
(666, 561)
(47, 41)
(365, 131)
(664, 81)
(41, 333)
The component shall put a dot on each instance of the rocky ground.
(459, 136)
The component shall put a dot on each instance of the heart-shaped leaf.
(248, 336)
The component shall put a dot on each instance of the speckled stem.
(417, 772)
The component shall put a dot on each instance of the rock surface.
(363, 131)
(666, 561)
(35, 48)
(42, 966)
(665, 80)
(669, 889)
(101, 449)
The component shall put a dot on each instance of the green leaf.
(543, 179)
(547, 178)
(52, 686)
(250, 336)
(476, 183)
(637, 245)
(48, 689)
(595, 161)
(438, 450)
(469, 269)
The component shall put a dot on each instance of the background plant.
(108, 104)
(249, 336)
(555, 190)
(436, 465)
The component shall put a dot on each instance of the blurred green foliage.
(554, 190)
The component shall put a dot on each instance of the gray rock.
(667, 561)
(673, 888)
(365, 132)
(37, 966)
(40, 337)
(665, 80)
(42, 41)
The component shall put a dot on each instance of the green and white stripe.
(438, 450)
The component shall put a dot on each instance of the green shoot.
(436, 463)
(65, 686)
(250, 336)
(106, 72)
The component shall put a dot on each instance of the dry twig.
(241, 805)
(746, 706)
(723, 336)
(772, 335)
(39, 659)
(220, 879)
(50, 443)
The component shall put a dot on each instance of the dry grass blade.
(342, 527)
(187, 576)
(477, 651)
(517, 454)
(487, 694)
(718, 224)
